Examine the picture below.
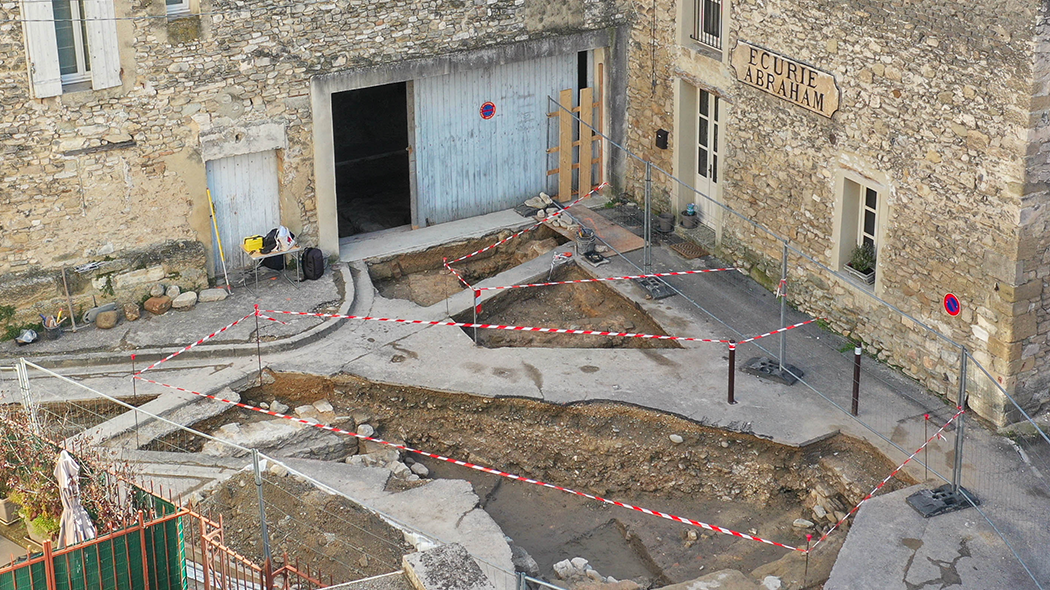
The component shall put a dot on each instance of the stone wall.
(125, 279)
(936, 107)
(92, 174)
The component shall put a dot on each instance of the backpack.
(274, 262)
(313, 263)
(269, 242)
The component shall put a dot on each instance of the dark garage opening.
(370, 131)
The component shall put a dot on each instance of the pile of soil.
(583, 306)
(422, 278)
(333, 537)
(622, 452)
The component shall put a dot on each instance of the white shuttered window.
(71, 41)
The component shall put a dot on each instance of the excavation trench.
(581, 306)
(422, 278)
(621, 452)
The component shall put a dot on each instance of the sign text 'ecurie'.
(786, 78)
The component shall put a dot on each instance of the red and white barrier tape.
(201, 341)
(528, 229)
(453, 271)
(500, 327)
(659, 274)
(753, 338)
(888, 478)
(484, 469)
(266, 317)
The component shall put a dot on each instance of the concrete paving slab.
(447, 510)
(891, 546)
(405, 239)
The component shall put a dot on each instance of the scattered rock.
(173, 291)
(563, 569)
(157, 290)
(539, 202)
(384, 453)
(158, 305)
(106, 320)
(523, 562)
(365, 430)
(361, 416)
(676, 439)
(578, 563)
(264, 405)
(278, 407)
(691, 535)
(324, 407)
(184, 301)
(363, 562)
(399, 469)
(308, 412)
(211, 295)
(132, 311)
(724, 444)
(420, 469)
(771, 583)
(278, 470)
(802, 523)
(412, 477)
(819, 511)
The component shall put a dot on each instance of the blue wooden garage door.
(467, 165)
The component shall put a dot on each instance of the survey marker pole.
(647, 256)
(783, 305)
(262, 506)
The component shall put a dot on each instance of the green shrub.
(863, 258)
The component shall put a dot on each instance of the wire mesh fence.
(248, 527)
(1008, 474)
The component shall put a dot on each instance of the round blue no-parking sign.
(488, 110)
(951, 304)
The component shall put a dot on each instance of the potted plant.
(862, 263)
(8, 507)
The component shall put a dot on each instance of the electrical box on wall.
(661, 138)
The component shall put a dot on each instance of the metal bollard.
(732, 372)
(856, 379)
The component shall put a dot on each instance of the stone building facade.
(935, 152)
(109, 165)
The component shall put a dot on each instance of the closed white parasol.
(76, 526)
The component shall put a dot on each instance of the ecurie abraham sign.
(785, 78)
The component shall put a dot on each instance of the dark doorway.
(370, 131)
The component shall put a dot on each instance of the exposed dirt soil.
(583, 306)
(625, 453)
(422, 278)
(330, 535)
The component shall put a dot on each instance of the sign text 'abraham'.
(788, 79)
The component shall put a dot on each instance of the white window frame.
(851, 192)
(866, 209)
(80, 37)
(177, 7)
(103, 53)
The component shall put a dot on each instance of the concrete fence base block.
(448, 567)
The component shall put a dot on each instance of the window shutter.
(102, 43)
(42, 48)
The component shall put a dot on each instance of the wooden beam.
(586, 147)
(565, 158)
